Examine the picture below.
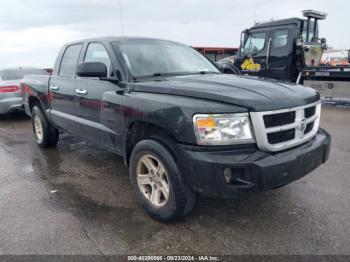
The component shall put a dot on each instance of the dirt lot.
(76, 199)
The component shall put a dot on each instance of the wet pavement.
(76, 199)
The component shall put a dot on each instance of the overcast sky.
(32, 31)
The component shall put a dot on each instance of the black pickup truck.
(181, 125)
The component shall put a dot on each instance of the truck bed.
(331, 82)
(38, 85)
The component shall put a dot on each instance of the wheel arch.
(141, 130)
(33, 101)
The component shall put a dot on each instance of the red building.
(216, 53)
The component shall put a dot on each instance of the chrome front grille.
(282, 129)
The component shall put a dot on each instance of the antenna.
(123, 35)
(121, 17)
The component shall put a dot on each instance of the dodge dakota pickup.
(181, 126)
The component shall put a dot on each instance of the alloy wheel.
(152, 179)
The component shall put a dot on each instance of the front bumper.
(252, 169)
(10, 104)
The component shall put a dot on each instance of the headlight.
(222, 129)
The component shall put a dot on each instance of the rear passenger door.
(62, 89)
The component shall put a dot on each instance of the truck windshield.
(16, 74)
(156, 58)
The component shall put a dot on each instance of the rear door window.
(70, 60)
(280, 38)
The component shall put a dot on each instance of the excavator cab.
(311, 45)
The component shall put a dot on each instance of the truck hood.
(249, 92)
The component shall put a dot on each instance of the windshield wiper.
(207, 72)
(165, 74)
(155, 75)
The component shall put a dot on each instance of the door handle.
(54, 88)
(81, 92)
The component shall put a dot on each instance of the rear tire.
(153, 169)
(45, 134)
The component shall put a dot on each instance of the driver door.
(255, 49)
(90, 93)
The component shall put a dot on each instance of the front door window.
(255, 43)
(96, 52)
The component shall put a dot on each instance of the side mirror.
(92, 69)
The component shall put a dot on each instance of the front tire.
(158, 183)
(46, 135)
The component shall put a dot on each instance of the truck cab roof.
(281, 22)
(116, 38)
